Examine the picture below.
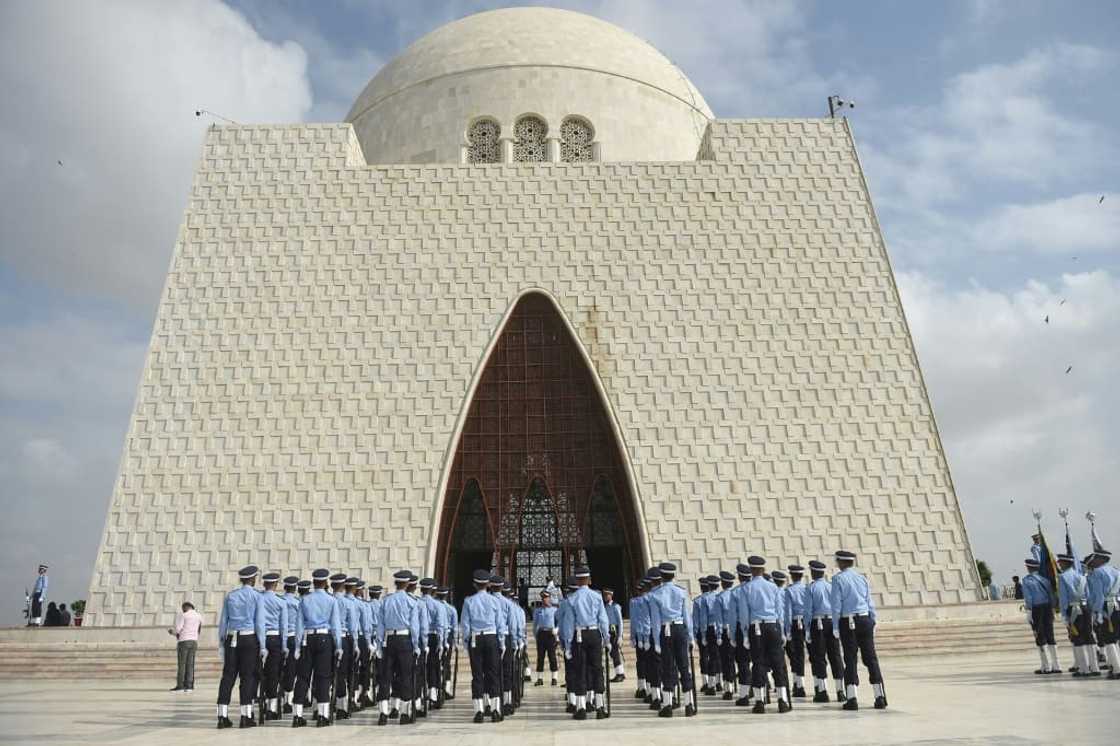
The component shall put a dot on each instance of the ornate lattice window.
(482, 142)
(604, 529)
(529, 145)
(472, 531)
(576, 137)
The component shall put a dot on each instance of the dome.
(557, 66)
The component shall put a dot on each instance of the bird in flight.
(1069, 369)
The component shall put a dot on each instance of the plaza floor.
(993, 699)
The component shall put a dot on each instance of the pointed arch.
(537, 409)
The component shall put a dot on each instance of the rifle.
(606, 663)
(260, 685)
(692, 672)
(330, 693)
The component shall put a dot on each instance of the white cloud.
(1015, 425)
(1080, 223)
(110, 89)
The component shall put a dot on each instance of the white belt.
(589, 627)
(850, 616)
(821, 616)
(320, 631)
(395, 632)
(272, 633)
(246, 632)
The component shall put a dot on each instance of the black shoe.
(408, 719)
(526, 678)
(437, 705)
(1040, 672)
(247, 722)
(727, 695)
(540, 682)
(676, 704)
(496, 716)
(880, 703)
(382, 719)
(580, 714)
(1055, 671)
(287, 709)
(799, 691)
(449, 696)
(1072, 669)
(507, 710)
(840, 696)
(618, 678)
(478, 717)
(556, 683)
(570, 709)
(298, 722)
(784, 706)
(690, 711)
(322, 722)
(705, 689)
(341, 715)
(1113, 676)
(419, 714)
(365, 701)
(743, 702)
(647, 698)
(394, 714)
(639, 694)
(275, 715)
(719, 687)
(1079, 675)
(224, 723)
(665, 712)
(602, 714)
(654, 704)
(176, 689)
(759, 708)
(851, 704)
(1093, 673)
(821, 696)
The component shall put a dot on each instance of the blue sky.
(987, 130)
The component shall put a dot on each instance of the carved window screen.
(576, 137)
(529, 144)
(482, 142)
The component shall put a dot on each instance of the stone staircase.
(29, 655)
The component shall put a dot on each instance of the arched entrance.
(537, 458)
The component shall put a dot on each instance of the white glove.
(338, 654)
(568, 654)
(297, 654)
(719, 641)
(378, 653)
(836, 633)
(264, 654)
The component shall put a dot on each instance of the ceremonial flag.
(1097, 546)
(1047, 567)
(1073, 552)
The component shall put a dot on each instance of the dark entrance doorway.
(537, 465)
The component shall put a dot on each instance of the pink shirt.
(187, 625)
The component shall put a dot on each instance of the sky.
(987, 131)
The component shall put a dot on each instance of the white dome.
(552, 63)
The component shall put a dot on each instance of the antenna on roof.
(200, 112)
(835, 102)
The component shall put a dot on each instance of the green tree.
(985, 573)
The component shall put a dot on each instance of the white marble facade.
(326, 313)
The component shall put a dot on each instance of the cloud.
(1081, 223)
(109, 89)
(1014, 424)
(995, 124)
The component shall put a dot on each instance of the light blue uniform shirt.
(435, 617)
(319, 610)
(587, 611)
(241, 610)
(544, 617)
(564, 623)
(482, 613)
(365, 617)
(1103, 587)
(818, 601)
(516, 621)
(726, 601)
(348, 614)
(639, 620)
(762, 601)
(731, 611)
(699, 617)
(41, 586)
(795, 599)
(614, 616)
(292, 600)
(400, 611)
(275, 611)
(851, 595)
(668, 603)
(375, 611)
(425, 620)
(451, 619)
(1072, 591)
(1037, 591)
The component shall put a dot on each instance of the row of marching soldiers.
(745, 631)
(332, 640)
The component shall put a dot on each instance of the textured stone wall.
(323, 321)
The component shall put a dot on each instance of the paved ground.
(989, 700)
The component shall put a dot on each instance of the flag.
(1097, 546)
(1073, 552)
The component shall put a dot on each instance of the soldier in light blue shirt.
(240, 639)
(853, 623)
(704, 632)
(319, 632)
(519, 665)
(350, 622)
(1104, 589)
(653, 654)
(564, 625)
(436, 635)
(38, 598)
(545, 632)
(401, 645)
(451, 626)
(482, 628)
(288, 675)
(725, 641)
(795, 646)
(1073, 600)
(584, 642)
(762, 605)
(275, 611)
(739, 630)
(639, 632)
(375, 642)
(671, 620)
(824, 648)
(365, 646)
(614, 627)
(1039, 604)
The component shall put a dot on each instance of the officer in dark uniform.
(739, 627)
(288, 674)
(240, 637)
(319, 632)
(401, 643)
(275, 610)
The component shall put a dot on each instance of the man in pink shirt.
(187, 626)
